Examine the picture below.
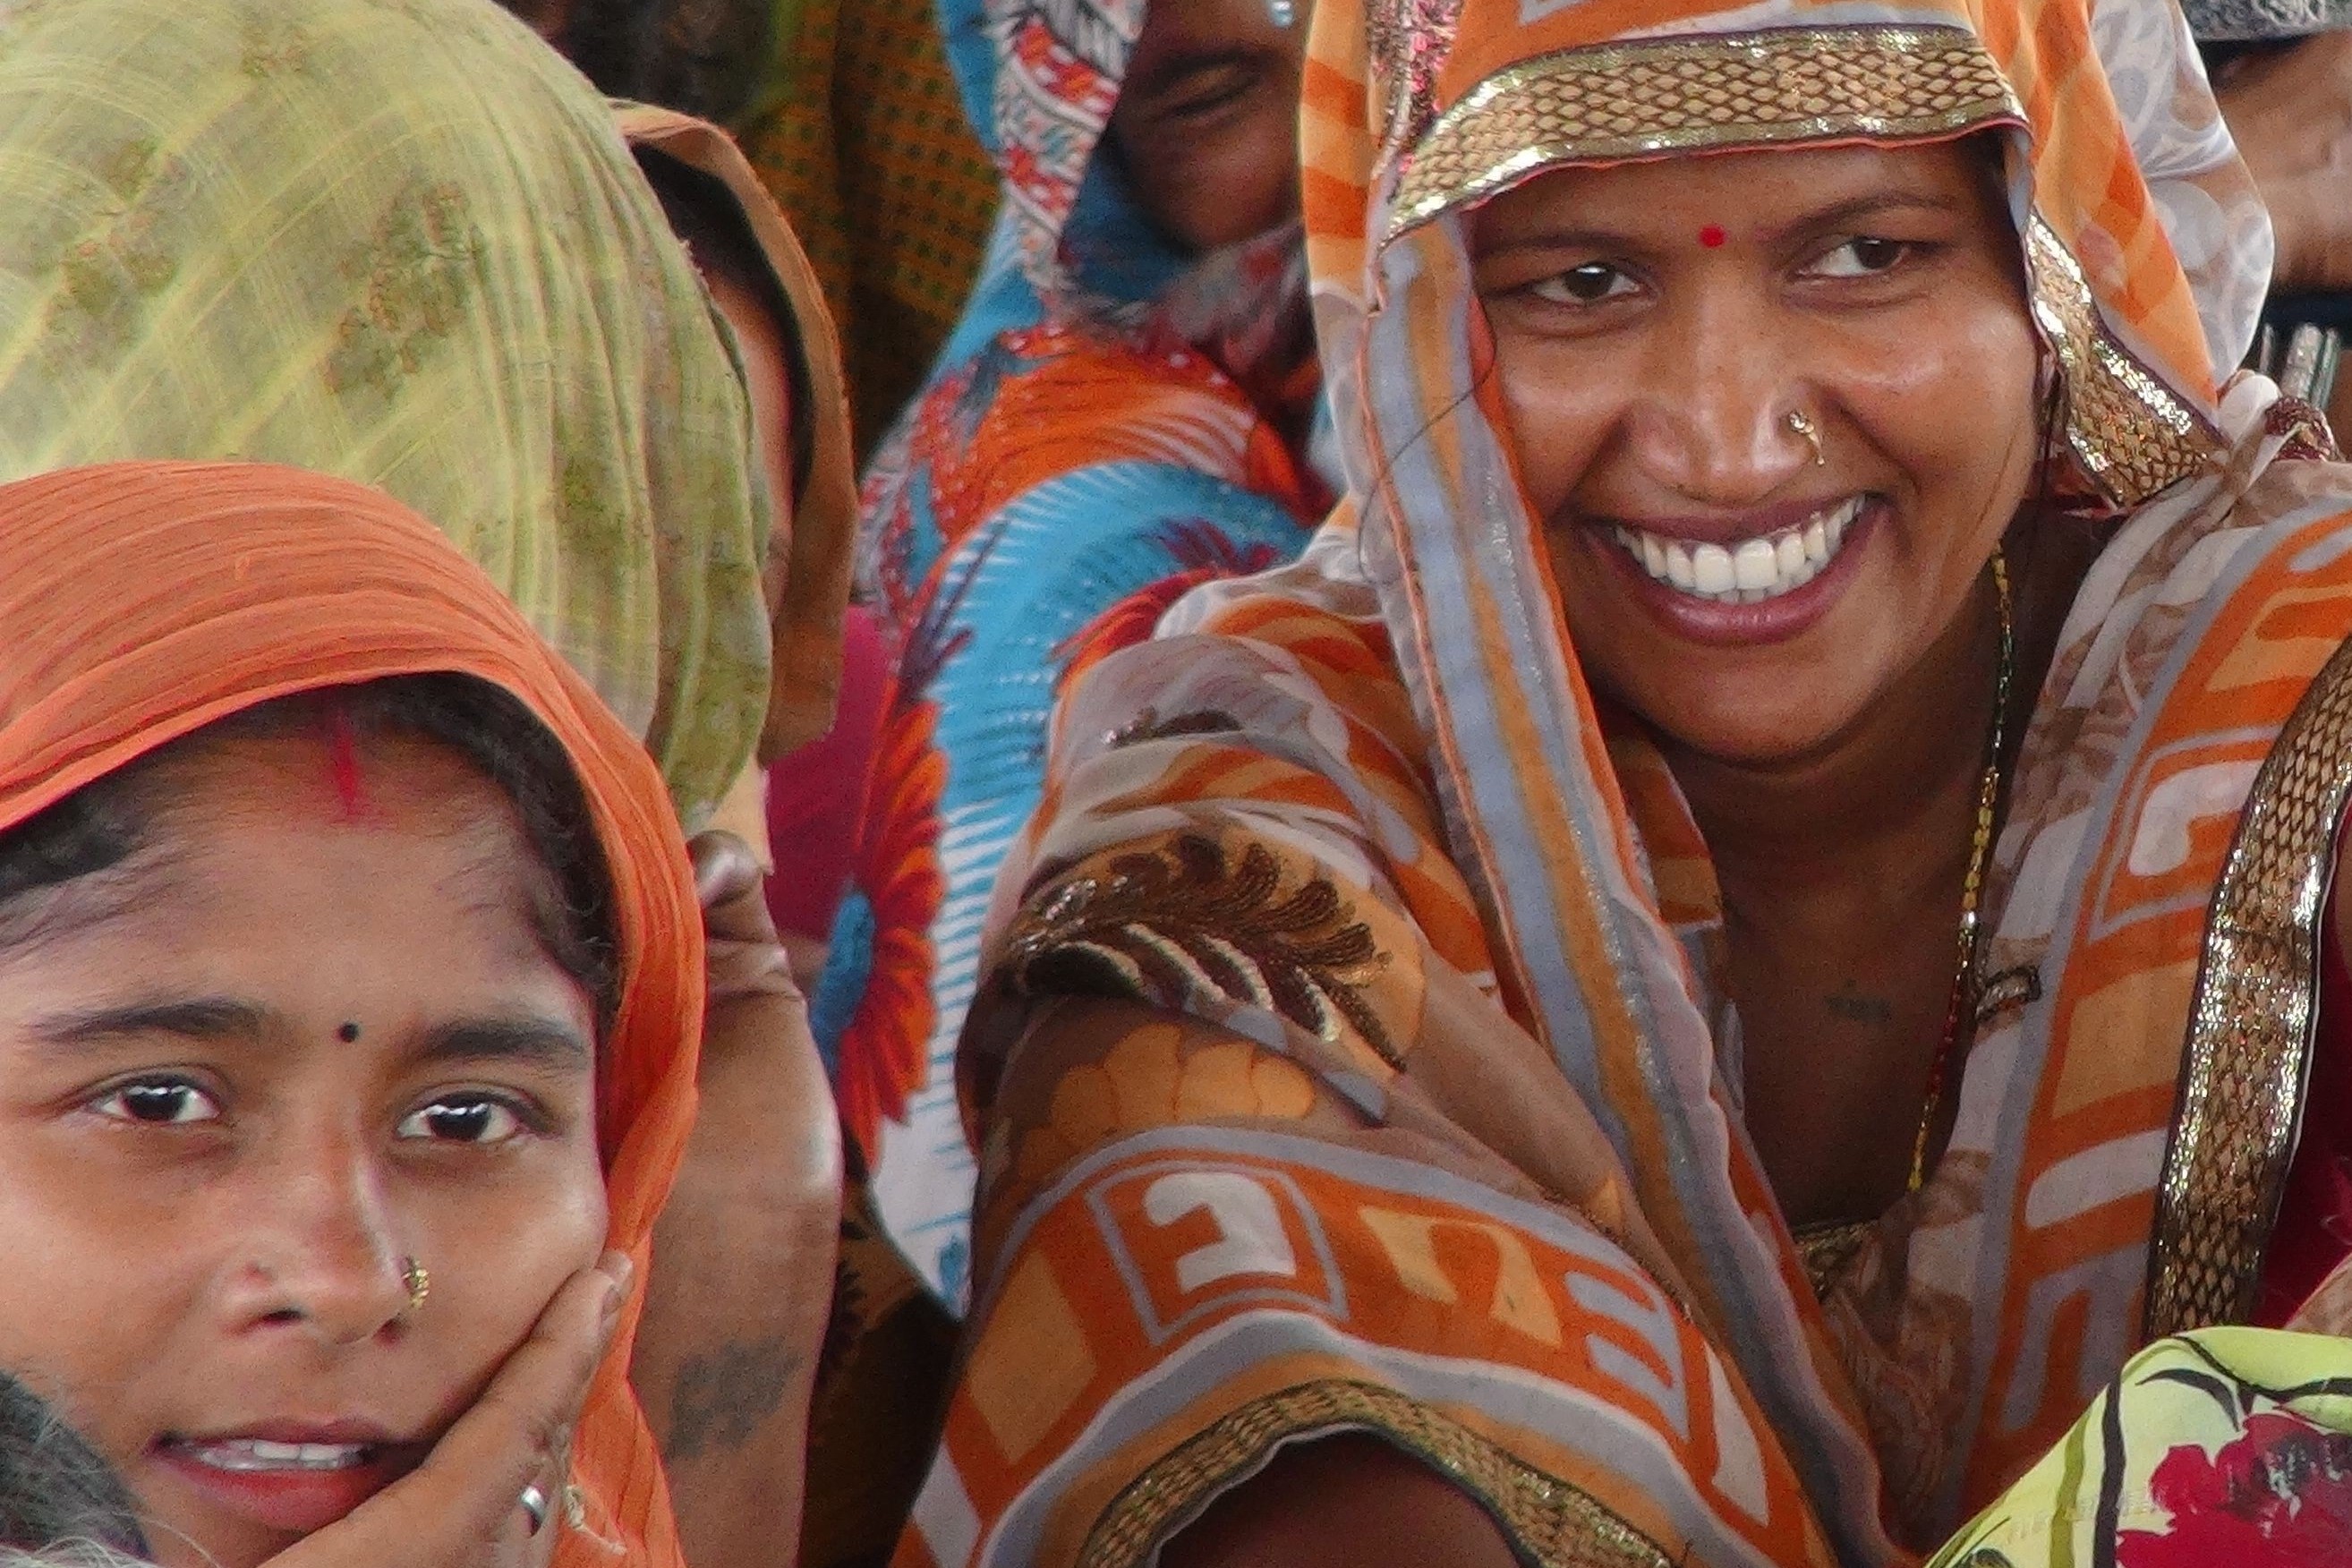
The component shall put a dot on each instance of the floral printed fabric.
(1111, 425)
(2224, 1449)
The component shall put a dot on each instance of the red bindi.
(1711, 237)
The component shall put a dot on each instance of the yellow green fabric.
(2229, 1448)
(398, 241)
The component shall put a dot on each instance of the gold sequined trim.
(1651, 96)
(1188, 917)
(2250, 1028)
(1828, 1250)
(1550, 1520)
(2129, 432)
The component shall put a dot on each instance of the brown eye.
(1864, 256)
(463, 1119)
(157, 1103)
(1587, 285)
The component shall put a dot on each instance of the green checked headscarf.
(399, 241)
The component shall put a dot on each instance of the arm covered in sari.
(1266, 1159)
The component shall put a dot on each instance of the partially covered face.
(1657, 326)
(311, 1028)
(1206, 125)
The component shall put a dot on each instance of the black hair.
(54, 1487)
(105, 823)
(704, 57)
(709, 222)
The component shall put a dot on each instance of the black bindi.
(348, 1032)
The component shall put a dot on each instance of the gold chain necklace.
(1964, 976)
(1826, 1247)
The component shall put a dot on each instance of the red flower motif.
(2277, 1496)
(884, 1048)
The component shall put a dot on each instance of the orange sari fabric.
(140, 602)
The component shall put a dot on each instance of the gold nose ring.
(418, 1280)
(1803, 426)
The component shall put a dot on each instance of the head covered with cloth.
(406, 244)
(1403, 846)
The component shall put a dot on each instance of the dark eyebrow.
(195, 1018)
(1837, 215)
(533, 1042)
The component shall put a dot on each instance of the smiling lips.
(246, 1455)
(293, 1480)
(1747, 571)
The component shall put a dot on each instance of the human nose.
(323, 1251)
(1715, 422)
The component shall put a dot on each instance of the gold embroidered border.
(2132, 435)
(2250, 1028)
(1548, 1520)
(1649, 95)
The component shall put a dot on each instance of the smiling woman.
(1720, 969)
(349, 981)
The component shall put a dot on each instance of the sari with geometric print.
(1425, 1121)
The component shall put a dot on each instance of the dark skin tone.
(1655, 324)
(1206, 122)
(1832, 766)
(741, 1282)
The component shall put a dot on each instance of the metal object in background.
(2302, 360)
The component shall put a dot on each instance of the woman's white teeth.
(258, 1454)
(1753, 570)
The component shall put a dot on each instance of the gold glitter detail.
(1409, 41)
(2250, 1028)
(1550, 1520)
(1676, 95)
(1827, 1250)
(1167, 924)
(2131, 435)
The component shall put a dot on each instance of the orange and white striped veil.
(1359, 809)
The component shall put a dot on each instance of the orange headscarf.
(140, 602)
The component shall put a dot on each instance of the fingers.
(460, 1506)
(724, 868)
(743, 955)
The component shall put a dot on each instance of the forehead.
(1774, 184)
(395, 842)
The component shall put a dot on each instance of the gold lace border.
(2246, 1059)
(1548, 1520)
(1649, 95)
(2128, 432)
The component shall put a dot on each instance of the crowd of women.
(1569, 793)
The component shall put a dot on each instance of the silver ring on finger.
(533, 1504)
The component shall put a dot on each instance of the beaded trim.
(2132, 435)
(1652, 95)
(2248, 1053)
(1548, 1520)
(2126, 430)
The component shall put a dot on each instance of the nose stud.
(418, 1280)
(1803, 426)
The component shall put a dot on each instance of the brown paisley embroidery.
(416, 274)
(1167, 924)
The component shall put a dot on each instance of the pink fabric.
(817, 795)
